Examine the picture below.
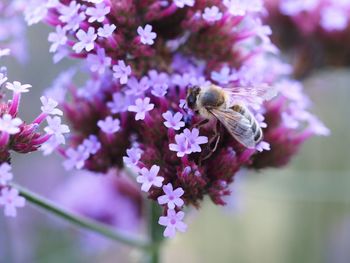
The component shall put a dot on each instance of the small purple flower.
(4, 52)
(158, 78)
(17, 87)
(5, 174)
(97, 13)
(99, 62)
(56, 128)
(171, 197)
(50, 146)
(92, 144)
(86, 40)
(212, 14)
(172, 222)
(121, 72)
(224, 76)
(334, 18)
(9, 124)
(142, 106)
(76, 158)
(57, 38)
(146, 34)
(68, 11)
(194, 140)
(160, 90)
(49, 106)
(134, 155)
(181, 146)
(109, 125)
(106, 31)
(119, 103)
(183, 3)
(173, 121)
(263, 146)
(11, 199)
(137, 87)
(149, 178)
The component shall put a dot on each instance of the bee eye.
(191, 101)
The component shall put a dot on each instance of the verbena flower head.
(18, 136)
(309, 25)
(145, 56)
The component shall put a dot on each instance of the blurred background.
(297, 214)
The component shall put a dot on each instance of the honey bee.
(215, 102)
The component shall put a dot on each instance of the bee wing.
(252, 95)
(237, 125)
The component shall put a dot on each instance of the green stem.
(155, 231)
(89, 224)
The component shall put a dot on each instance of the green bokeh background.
(297, 214)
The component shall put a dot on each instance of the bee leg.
(201, 123)
(216, 138)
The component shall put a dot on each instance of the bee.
(215, 102)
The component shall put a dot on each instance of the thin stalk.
(83, 222)
(155, 231)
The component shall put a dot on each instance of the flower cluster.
(21, 137)
(312, 26)
(131, 113)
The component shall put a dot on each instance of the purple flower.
(121, 72)
(106, 31)
(49, 106)
(11, 199)
(146, 34)
(76, 158)
(57, 38)
(50, 145)
(173, 121)
(194, 140)
(158, 78)
(92, 145)
(97, 13)
(109, 125)
(5, 174)
(134, 155)
(181, 147)
(99, 62)
(137, 87)
(56, 128)
(183, 3)
(9, 124)
(173, 222)
(149, 178)
(86, 40)
(212, 14)
(171, 197)
(17, 87)
(119, 103)
(334, 18)
(141, 107)
(263, 146)
(224, 76)
(160, 90)
(68, 11)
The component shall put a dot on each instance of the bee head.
(192, 94)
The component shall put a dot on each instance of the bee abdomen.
(258, 134)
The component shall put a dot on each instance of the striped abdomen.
(258, 134)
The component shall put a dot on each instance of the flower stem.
(155, 231)
(89, 224)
